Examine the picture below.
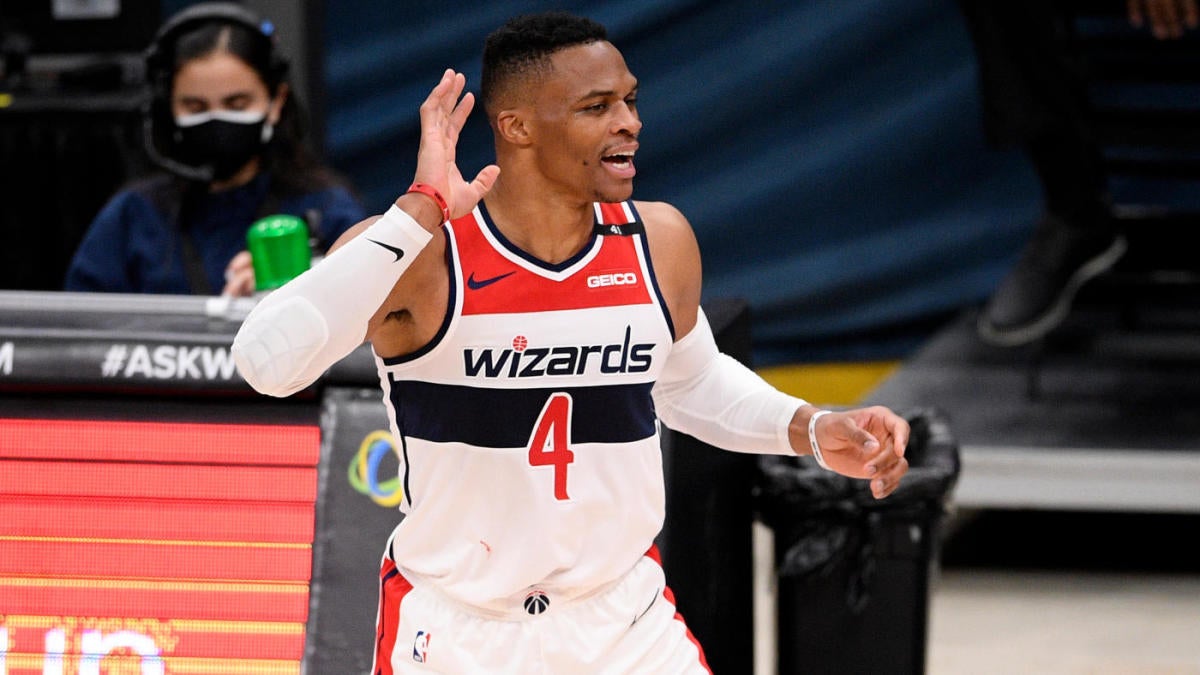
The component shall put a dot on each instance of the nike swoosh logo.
(476, 285)
(398, 251)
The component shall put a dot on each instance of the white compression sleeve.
(710, 395)
(299, 330)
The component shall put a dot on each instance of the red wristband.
(432, 193)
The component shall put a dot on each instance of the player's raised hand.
(443, 115)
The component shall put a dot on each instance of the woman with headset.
(224, 125)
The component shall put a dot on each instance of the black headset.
(158, 124)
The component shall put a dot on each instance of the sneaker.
(1036, 295)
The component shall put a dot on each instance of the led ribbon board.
(155, 547)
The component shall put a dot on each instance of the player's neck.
(549, 226)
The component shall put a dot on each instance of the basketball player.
(527, 344)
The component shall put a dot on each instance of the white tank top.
(530, 454)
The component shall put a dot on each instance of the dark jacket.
(135, 245)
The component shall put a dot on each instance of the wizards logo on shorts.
(421, 647)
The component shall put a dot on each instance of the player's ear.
(513, 127)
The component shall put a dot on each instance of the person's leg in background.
(1035, 99)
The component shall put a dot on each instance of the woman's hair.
(293, 166)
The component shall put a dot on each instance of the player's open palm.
(443, 115)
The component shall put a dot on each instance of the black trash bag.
(824, 521)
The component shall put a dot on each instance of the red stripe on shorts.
(654, 555)
(392, 589)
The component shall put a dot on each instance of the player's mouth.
(620, 162)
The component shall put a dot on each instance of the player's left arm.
(710, 395)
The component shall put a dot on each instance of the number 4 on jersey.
(548, 444)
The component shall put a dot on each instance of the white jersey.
(530, 448)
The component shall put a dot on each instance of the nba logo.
(421, 647)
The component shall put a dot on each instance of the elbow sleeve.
(278, 345)
(713, 397)
(298, 331)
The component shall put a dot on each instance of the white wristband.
(812, 438)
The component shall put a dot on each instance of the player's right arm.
(301, 329)
(712, 396)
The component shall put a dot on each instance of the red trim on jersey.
(613, 213)
(669, 596)
(392, 589)
(495, 284)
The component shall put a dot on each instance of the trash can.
(853, 572)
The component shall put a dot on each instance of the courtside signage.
(58, 359)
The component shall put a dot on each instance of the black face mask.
(225, 141)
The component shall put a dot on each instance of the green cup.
(279, 250)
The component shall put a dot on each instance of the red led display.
(155, 547)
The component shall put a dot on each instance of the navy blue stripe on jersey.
(662, 301)
(450, 304)
(505, 418)
(645, 246)
(536, 262)
(404, 457)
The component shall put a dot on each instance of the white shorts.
(632, 627)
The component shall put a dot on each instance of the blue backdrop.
(828, 152)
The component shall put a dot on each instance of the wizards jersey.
(530, 448)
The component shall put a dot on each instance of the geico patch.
(615, 279)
